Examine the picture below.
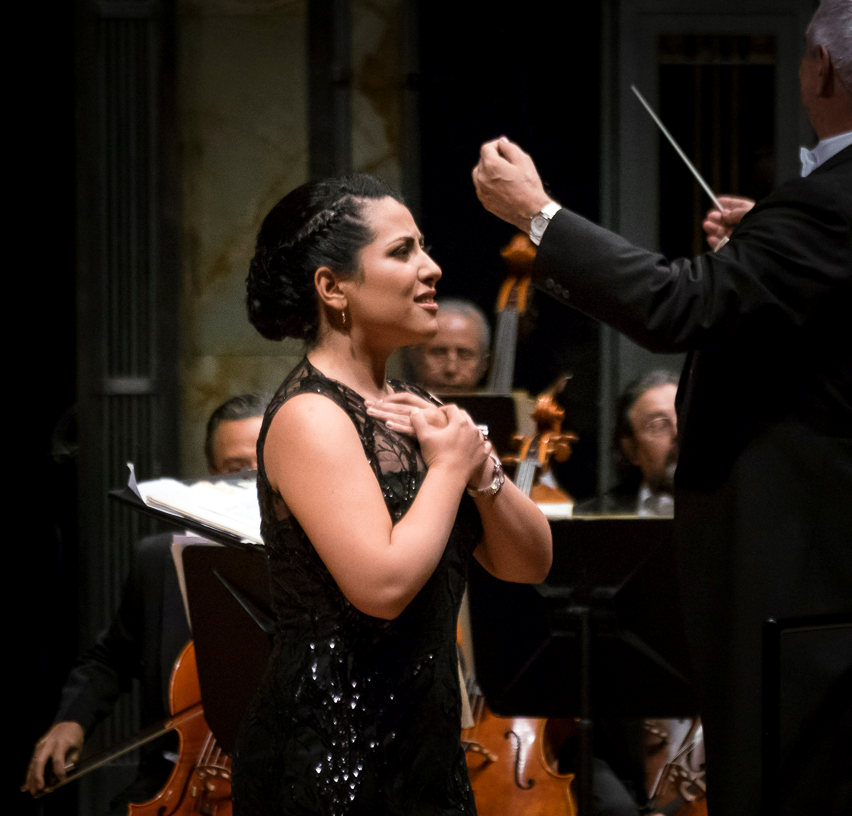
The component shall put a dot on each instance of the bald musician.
(763, 515)
(147, 634)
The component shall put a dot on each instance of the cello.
(511, 761)
(519, 256)
(201, 780)
(512, 764)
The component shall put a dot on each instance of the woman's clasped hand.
(447, 435)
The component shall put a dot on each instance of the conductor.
(762, 491)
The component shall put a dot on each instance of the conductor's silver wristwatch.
(541, 219)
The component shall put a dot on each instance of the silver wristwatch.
(494, 488)
(541, 219)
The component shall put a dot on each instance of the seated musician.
(644, 449)
(146, 636)
(456, 358)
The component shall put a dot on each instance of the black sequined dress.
(355, 714)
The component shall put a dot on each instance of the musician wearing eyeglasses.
(456, 358)
(644, 450)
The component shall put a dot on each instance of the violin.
(534, 452)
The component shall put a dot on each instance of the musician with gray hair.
(456, 358)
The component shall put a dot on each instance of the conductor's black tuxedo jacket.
(763, 506)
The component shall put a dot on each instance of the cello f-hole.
(516, 742)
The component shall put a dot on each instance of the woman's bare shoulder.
(310, 419)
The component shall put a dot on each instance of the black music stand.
(603, 634)
(129, 495)
(497, 411)
(229, 598)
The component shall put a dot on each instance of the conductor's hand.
(508, 184)
(60, 746)
(718, 225)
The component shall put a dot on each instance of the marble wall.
(243, 74)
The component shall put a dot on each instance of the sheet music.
(230, 506)
(556, 510)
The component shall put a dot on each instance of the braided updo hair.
(318, 224)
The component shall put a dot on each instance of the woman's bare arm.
(517, 544)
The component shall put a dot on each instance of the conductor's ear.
(826, 72)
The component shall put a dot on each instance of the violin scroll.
(535, 452)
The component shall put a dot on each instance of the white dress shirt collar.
(654, 504)
(811, 159)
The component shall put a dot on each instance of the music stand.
(603, 634)
(497, 411)
(230, 600)
(129, 495)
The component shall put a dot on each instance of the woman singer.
(367, 520)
